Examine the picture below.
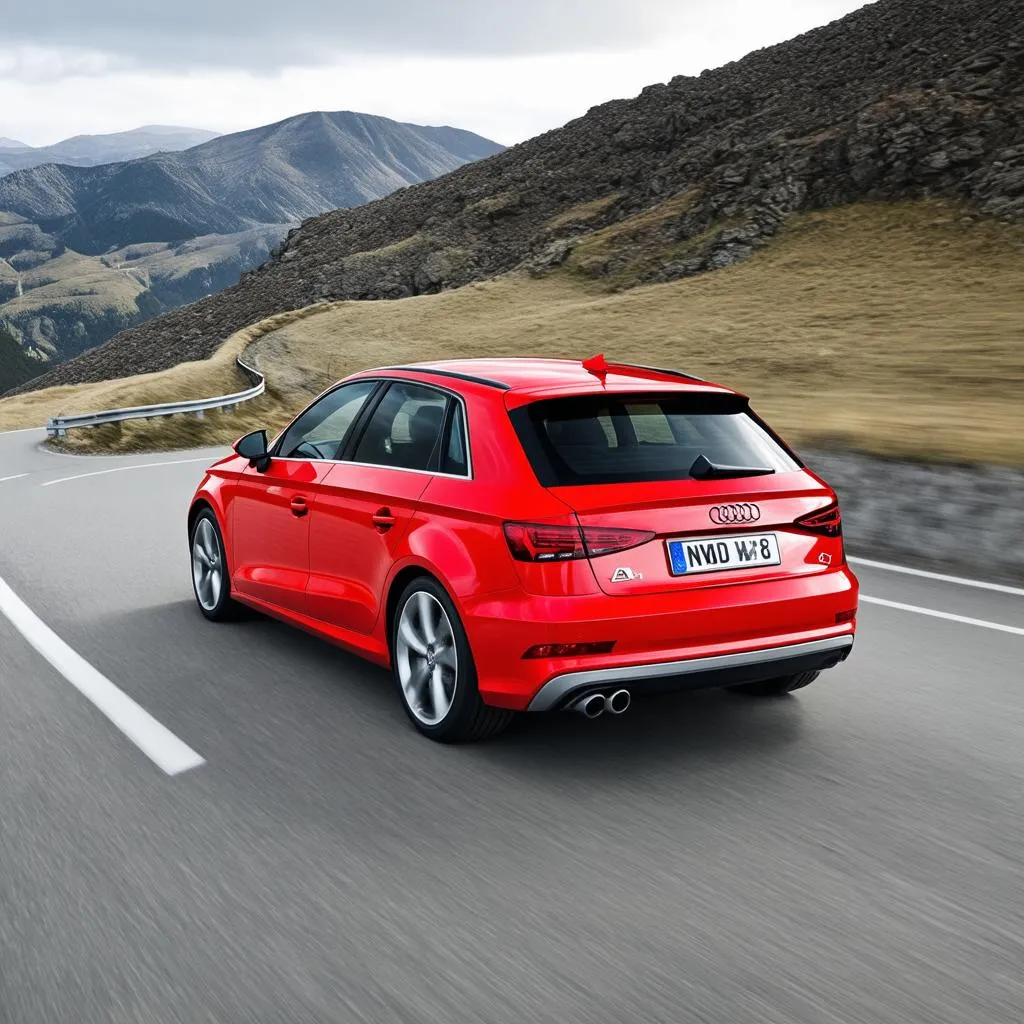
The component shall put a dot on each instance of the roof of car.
(533, 376)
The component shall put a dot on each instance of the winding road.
(204, 823)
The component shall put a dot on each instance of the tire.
(211, 581)
(434, 670)
(776, 687)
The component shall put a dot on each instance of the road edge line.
(949, 616)
(962, 581)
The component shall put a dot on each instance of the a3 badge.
(625, 574)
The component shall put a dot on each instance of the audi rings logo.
(730, 515)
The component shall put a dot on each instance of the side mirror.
(254, 448)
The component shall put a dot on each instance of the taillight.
(550, 542)
(827, 521)
(544, 542)
(601, 540)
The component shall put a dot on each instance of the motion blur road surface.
(850, 854)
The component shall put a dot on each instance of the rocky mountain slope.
(901, 99)
(88, 251)
(89, 150)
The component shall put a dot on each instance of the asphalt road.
(851, 854)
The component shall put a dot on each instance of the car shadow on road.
(307, 683)
(708, 727)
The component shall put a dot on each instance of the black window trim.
(360, 423)
(454, 374)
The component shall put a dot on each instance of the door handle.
(383, 519)
(298, 506)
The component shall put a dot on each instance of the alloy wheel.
(426, 657)
(207, 565)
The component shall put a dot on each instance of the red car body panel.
(332, 569)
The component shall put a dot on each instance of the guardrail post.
(200, 414)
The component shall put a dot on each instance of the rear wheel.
(434, 668)
(210, 579)
(775, 687)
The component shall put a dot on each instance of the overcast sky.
(505, 70)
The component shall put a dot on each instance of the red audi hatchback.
(531, 534)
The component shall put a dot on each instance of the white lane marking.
(1001, 588)
(22, 430)
(899, 606)
(124, 469)
(156, 741)
(17, 476)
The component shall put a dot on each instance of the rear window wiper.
(704, 469)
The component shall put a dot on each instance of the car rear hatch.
(679, 491)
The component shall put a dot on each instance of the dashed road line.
(156, 741)
(17, 476)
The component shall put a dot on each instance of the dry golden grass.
(891, 329)
(584, 211)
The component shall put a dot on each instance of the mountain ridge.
(90, 150)
(273, 174)
(88, 251)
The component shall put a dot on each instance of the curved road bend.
(849, 855)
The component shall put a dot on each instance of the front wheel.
(210, 579)
(434, 668)
(776, 687)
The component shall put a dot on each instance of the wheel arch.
(202, 502)
(397, 584)
(198, 506)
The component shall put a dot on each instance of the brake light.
(552, 542)
(828, 522)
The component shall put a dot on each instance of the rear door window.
(595, 439)
(404, 431)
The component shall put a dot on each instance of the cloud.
(268, 34)
(101, 84)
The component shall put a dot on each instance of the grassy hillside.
(890, 328)
(63, 304)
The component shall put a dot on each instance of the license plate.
(714, 554)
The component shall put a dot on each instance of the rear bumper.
(673, 630)
(696, 673)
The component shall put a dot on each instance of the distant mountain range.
(281, 173)
(89, 150)
(88, 251)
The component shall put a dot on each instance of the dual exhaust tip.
(590, 705)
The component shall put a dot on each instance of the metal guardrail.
(58, 426)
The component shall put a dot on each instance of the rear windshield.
(598, 439)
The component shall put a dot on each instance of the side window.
(320, 432)
(456, 460)
(405, 429)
